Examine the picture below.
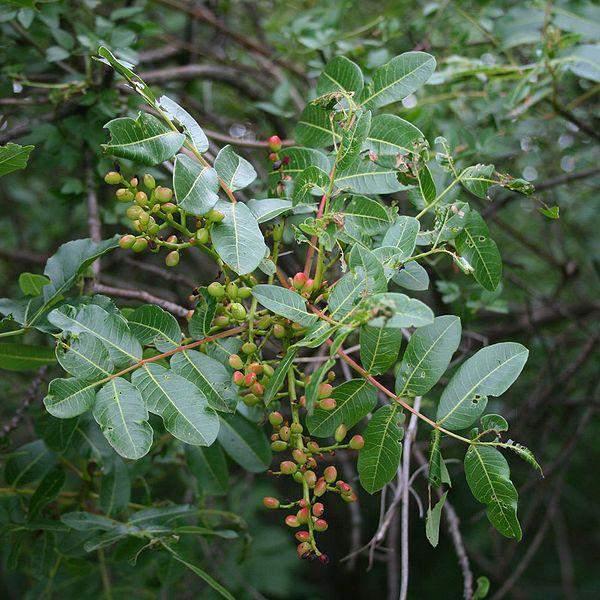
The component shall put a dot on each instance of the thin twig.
(171, 307)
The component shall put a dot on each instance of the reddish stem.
(313, 242)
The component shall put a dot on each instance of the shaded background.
(245, 69)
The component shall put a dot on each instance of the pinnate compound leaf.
(24, 357)
(390, 135)
(195, 185)
(428, 355)
(153, 326)
(379, 347)
(235, 171)
(488, 476)
(354, 400)
(183, 118)
(238, 239)
(284, 302)
(340, 76)
(145, 140)
(13, 157)
(475, 245)
(489, 372)
(209, 375)
(120, 411)
(245, 443)
(378, 461)
(269, 208)
(182, 406)
(398, 78)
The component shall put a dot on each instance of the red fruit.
(330, 474)
(325, 390)
(302, 503)
(259, 389)
(308, 286)
(320, 487)
(250, 379)
(313, 446)
(304, 550)
(238, 378)
(324, 559)
(292, 521)
(255, 368)
(318, 509)
(273, 157)
(328, 403)
(302, 536)
(299, 280)
(343, 487)
(286, 160)
(274, 143)
(320, 525)
(303, 515)
(357, 442)
(270, 502)
(287, 467)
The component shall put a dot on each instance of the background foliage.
(515, 86)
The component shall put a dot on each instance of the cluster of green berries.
(250, 377)
(230, 308)
(303, 468)
(152, 210)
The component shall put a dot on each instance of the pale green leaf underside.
(285, 303)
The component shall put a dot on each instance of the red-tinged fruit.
(311, 478)
(238, 378)
(287, 467)
(270, 502)
(304, 550)
(299, 456)
(320, 487)
(299, 280)
(274, 143)
(340, 433)
(292, 521)
(324, 559)
(320, 525)
(325, 390)
(357, 442)
(318, 509)
(328, 404)
(303, 515)
(235, 362)
(330, 474)
(276, 419)
(250, 379)
(302, 536)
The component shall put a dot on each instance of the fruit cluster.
(153, 212)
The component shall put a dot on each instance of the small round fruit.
(169, 208)
(287, 467)
(278, 446)
(304, 550)
(134, 212)
(327, 403)
(163, 194)
(303, 515)
(279, 331)
(231, 289)
(274, 143)
(112, 178)
(318, 509)
(320, 487)
(216, 290)
(276, 419)
(123, 195)
(238, 312)
(302, 536)
(296, 428)
(285, 433)
(238, 378)
(221, 321)
(299, 456)
(320, 525)
(149, 181)
(141, 198)
(330, 474)
(235, 362)
(325, 390)
(127, 241)
(292, 521)
(172, 259)
(299, 280)
(250, 399)
(139, 245)
(244, 292)
(340, 433)
(270, 502)
(214, 216)
(249, 348)
(202, 236)
(357, 442)
(311, 478)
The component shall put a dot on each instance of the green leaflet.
(345, 294)
(398, 310)
(398, 78)
(28, 463)
(269, 208)
(203, 316)
(312, 181)
(391, 135)
(238, 239)
(285, 303)
(366, 214)
(209, 467)
(182, 406)
(340, 76)
(195, 185)
(315, 128)
(209, 375)
(85, 356)
(235, 171)
(428, 355)
(402, 236)
(412, 276)
(475, 245)
(478, 179)
(378, 461)
(298, 160)
(47, 490)
(311, 391)
(379, 347)
(13, 157)
(365, 177)
(488, 476)
(245, 443)
(278, 378)
(31, 284)
(120, 411)
(355, 399)
(24, 357)
(438, 472)
(490, 372)
(70, 397)
(144, 140)
(183, 118)
(115, 489)
(353, 139)
(367, 265)
(153, 326)
(432, 522)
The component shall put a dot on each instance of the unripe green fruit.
(244, 292)
(149, 181)
(287, 467)
(124, 195)
(357, 442)
(214, 216)
(320, 525)
(292, 521)
(133, 182)
(340, 433)
(296, 428)
(279, 331)
(276, 419)
(250, 399)
(268, 370)
(172, 259)
(112, 178)
(351, 497)
(152, 229)
(285, 433)
(311, 478)
(231, 289)
(134, 212)
(216, 290)
(127, 241)
(238, 312)
(169, 207)
(312, 446)
(278, 446)
(249, 348)
(141, 198)
(298, 477)
(235, 362)
(203, 236)
(264, 322)
(271, 502)
(330, 474)
(221, 321)
(140, 245)
(163, 194)
(277, 233)
(255, 368)
(299, 456)
(144, 218)
(327, 403)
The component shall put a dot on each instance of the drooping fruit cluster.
(303, 468)
(157, 219)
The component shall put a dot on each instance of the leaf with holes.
(13, 157)
(316, 128)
